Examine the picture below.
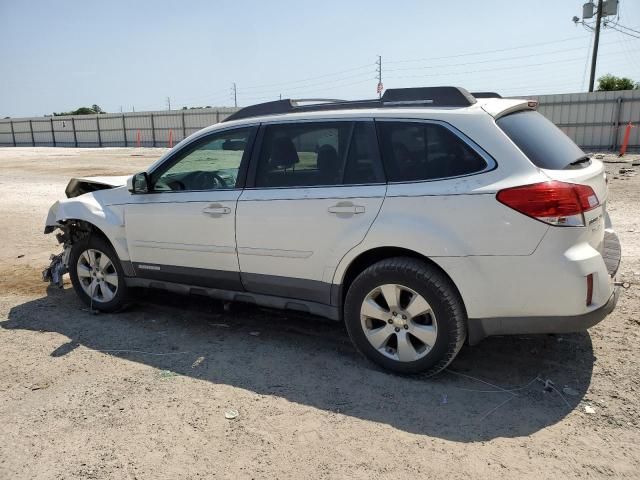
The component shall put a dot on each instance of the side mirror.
(138, 183)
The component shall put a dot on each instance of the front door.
(183, 230)
(314, 191)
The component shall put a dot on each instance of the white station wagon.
(421, 219)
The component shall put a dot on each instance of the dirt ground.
(143, 394)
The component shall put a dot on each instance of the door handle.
(215, 210)
(346, 208)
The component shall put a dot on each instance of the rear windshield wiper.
(579, 162)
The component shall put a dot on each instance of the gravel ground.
(143, 394)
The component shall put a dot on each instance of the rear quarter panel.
(454, 221)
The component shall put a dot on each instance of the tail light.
(555, 203)
(589, 289)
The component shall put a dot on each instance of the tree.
(610, 82)
(92, 110)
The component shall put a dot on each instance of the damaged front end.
(70, 232)
(56, 269)
(93, 206)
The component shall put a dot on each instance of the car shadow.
(504, 387)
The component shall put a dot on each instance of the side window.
(413, 151)
(212, 163)
(315, 154)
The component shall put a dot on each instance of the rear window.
(540, 140)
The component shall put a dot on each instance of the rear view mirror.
(138, 183)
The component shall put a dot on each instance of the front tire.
(406, 316)
(97, 275)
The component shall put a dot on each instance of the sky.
(63, 54)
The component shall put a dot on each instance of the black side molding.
(280, 303)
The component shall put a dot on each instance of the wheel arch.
(75, 229)
(367, 258)
(108, 221)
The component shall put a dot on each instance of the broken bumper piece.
(57, 268)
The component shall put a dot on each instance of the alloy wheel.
(398, 322)
(97, 275)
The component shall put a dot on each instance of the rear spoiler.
(504, 106)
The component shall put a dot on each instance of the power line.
(298, 87)
(627, 28)
(482, 52)
(622, 31)
(528, 65)
(333, 81)
(518, 57)
(489, 69)
(275, 96)
(630, 52)
(253, 87)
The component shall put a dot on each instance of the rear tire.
(97, 275)
(406, 316)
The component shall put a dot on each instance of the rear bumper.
(480, 328)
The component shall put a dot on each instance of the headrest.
(327, 157)
(283, 153)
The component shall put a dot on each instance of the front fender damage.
(67, 217)
(70, 232)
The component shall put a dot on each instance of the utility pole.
(379, 88)
(169, 102)
(604, 9)
(594, 58)
(235, 95)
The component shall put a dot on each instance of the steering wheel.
(221, 181)
(176, 185)
(207, 180)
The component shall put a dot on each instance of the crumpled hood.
(81, 185)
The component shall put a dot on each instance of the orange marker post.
(625, 142)
(170, 138)
(138, 139)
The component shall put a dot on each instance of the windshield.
(541, 141)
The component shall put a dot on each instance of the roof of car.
(494, 107)
(397, 97)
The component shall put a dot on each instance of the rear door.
(314, 189)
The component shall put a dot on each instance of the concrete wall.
(109, 130)
(595, 121)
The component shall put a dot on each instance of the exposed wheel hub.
(399, 320)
